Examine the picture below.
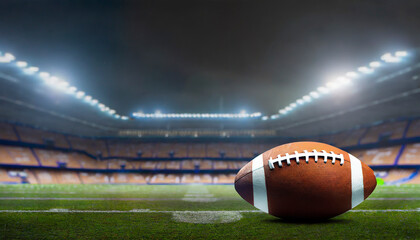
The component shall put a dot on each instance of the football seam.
(246, 175)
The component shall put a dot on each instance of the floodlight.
(80, 94)
(401, 53)
(264, 118)
(387, 57)
(300, 101)
(33, 69)
(94, 101)
(375, 64)
(352, 75)
(7, 58)
(62, 84)
(314, 94)
(21, 64)
(306, 98)
(293, 105)
(72, 89)
(323, 90)
(111, 111)
(364, 69)
(44, 74)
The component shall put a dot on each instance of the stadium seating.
(32, 135)
(65, 154)
(93, 178)
(197, 150)
(131, 178)
(377, 156)
(93, 146)
(353, 138)
(410, 155)
(196, 178)
(397, 174)
(51, 158)
(165, 179)
(5, 177)
(17, 156)
(7, 132)
(224, 178)
(393, 130)
(414, 129)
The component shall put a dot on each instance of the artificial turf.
(151, 221)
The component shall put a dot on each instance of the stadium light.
(31, 70)
(389, 58)
(71, 90)
(401, 53)
(375, 64)
(314, 94)
(343, 81)
(7, 58)
(54, 82)
(44, 74)
(364, 69)
(80, 94)
(88, 98)
(21, 64)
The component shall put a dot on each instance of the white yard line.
(113, 199)
(167, 199)
(393, 199)
(157, 211)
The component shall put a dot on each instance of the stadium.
(139, 133)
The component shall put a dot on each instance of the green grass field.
(189, 212)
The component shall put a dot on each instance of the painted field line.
(167, 199)
(394, 199)
(157, 211)
(111, 199)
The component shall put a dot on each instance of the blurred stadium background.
(45, 141)
(130, 119)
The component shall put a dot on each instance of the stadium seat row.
(75, 177)
(9, 155)
(134, 148)
(395, 176)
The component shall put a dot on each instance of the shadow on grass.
(300, 221)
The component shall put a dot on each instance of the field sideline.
(189, 211)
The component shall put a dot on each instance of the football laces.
(305, 155)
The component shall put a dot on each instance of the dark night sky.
(183, 56)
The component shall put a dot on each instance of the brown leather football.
(305, 180)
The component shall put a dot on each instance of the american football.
(305, 180)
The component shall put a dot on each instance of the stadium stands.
(211, 162)
(7, 132)
(17, 156)
(393, 130)
(410, 155)
(377, 156)
(414, 129)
